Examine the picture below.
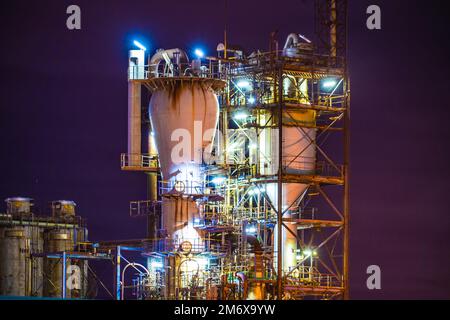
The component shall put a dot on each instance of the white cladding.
(299, 156)
(184, 120)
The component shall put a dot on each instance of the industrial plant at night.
(246, 157)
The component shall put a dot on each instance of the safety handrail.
(128, 160)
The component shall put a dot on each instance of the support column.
(280, 187)
(63, 282)
(118, 284)
(346, 204)
(134, 123)
(153, 219)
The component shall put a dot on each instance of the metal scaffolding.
(304, 87)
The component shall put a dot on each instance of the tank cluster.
(33, 251)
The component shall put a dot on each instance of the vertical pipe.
(118, 285)
(347, 124)
(75, 236)
(28, 265)
(225, 40)
(280, 185)
(152, 218)
(224, 127)
(346, 189)
(63, 282)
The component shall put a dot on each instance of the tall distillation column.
(184, 114)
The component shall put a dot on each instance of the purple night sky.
(63, 120)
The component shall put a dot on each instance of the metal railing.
(310, 276)
(187, 187)
(197, 246)
(144, 208)
(246, 214)
(206, 69)
(302, 165)
(138, 161)
(300, 212)
(215, 69)
(41, 221)
(327, 169)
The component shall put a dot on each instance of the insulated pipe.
(243, 279)
(170, 54)
(134, 265)
(224, 282)
(159, 55)
(291, 41)
(152, 188)
(253, 291)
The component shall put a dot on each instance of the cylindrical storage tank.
(56, 241)
(63, 208)
(18, 205)
(298, 157)
(13, 260)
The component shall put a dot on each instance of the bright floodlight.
(251, 100)
(139, 45)
(255, 191)
(199, 53)
(329, 83)
(240, 116)
(156, 264)
(218, 180)
(250, 229)
(197, 221)
(243, 84)
(203, 262)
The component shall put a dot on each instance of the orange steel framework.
(322, 215)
